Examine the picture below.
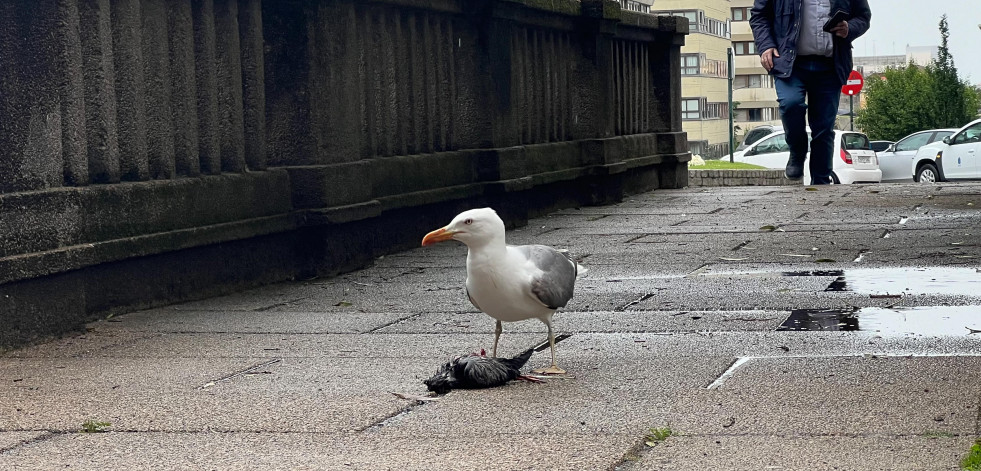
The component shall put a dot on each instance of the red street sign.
(854, 84)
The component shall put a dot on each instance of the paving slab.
(11, 440)
(806, 453)
(838, 396)
(312, 451)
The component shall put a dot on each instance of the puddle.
(910, 281)
(890, 322)
(815, 273)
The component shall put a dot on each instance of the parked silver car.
(896, 161)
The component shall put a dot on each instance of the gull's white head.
(472, 227)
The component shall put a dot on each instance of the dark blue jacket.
(776, 23)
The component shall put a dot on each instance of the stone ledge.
(738, 178)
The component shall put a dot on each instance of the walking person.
(809, 64)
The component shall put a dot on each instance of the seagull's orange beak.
(439, 235)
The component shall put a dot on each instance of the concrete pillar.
(231, 128)
(184, 106)
(156, 71)
(102, 142)
(287, 63)
(253, 83)
(127, 40)
(206, 79)
(30, 110)
(72, 91)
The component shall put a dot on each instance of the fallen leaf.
(344, 304)
(825, 260)
(768, 228)
(414, 397)
(811, 188)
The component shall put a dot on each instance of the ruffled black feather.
(477, 371)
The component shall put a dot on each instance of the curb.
(738, 178)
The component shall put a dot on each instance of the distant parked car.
(854, 161)
(956, 157)
(757, 133)
(896, 160)
(880, 146)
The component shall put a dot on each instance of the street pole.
(732, 132)
(851, 111)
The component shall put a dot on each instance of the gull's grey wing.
(554, 287)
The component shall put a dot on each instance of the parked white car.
(895, 161)
(956, 157)
(853, 159)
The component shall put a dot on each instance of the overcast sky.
(898, 23)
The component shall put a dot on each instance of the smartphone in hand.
(838, 17)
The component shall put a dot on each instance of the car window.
(971, 134)
(881, 146)
(913, 142)
(773, 144)
(855, 141)
(940, 135)
(756, 134)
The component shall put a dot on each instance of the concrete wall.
(159, 150)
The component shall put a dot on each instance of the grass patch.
(972, 462)
(725, 165)
(92, 426)
(657, 435)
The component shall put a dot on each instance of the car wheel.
(927, 173)
(834, 179)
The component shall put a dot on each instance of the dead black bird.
(478, 371)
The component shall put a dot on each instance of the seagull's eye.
(468, 222)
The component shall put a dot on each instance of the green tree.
(909, 99)
(898, 103)
(950, 106)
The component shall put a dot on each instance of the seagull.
(510, 282)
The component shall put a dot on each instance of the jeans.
(815, 78)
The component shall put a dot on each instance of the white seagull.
(507, 282)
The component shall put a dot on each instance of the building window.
(744, 48)
(690, 108)
(699, 23)
(755, 115)
(752, 81)
(689, 64)
(634, 5)
(697, 64)
(699, 108)
(740, 14)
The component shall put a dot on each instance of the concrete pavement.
(674, 326)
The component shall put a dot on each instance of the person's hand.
(767, 58)
(840, 30)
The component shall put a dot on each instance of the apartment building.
(704, 72)
(643, 6)
(753, 89)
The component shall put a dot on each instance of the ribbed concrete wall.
(179, 134)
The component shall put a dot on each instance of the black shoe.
(795, 170)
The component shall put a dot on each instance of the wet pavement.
(766, 327)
